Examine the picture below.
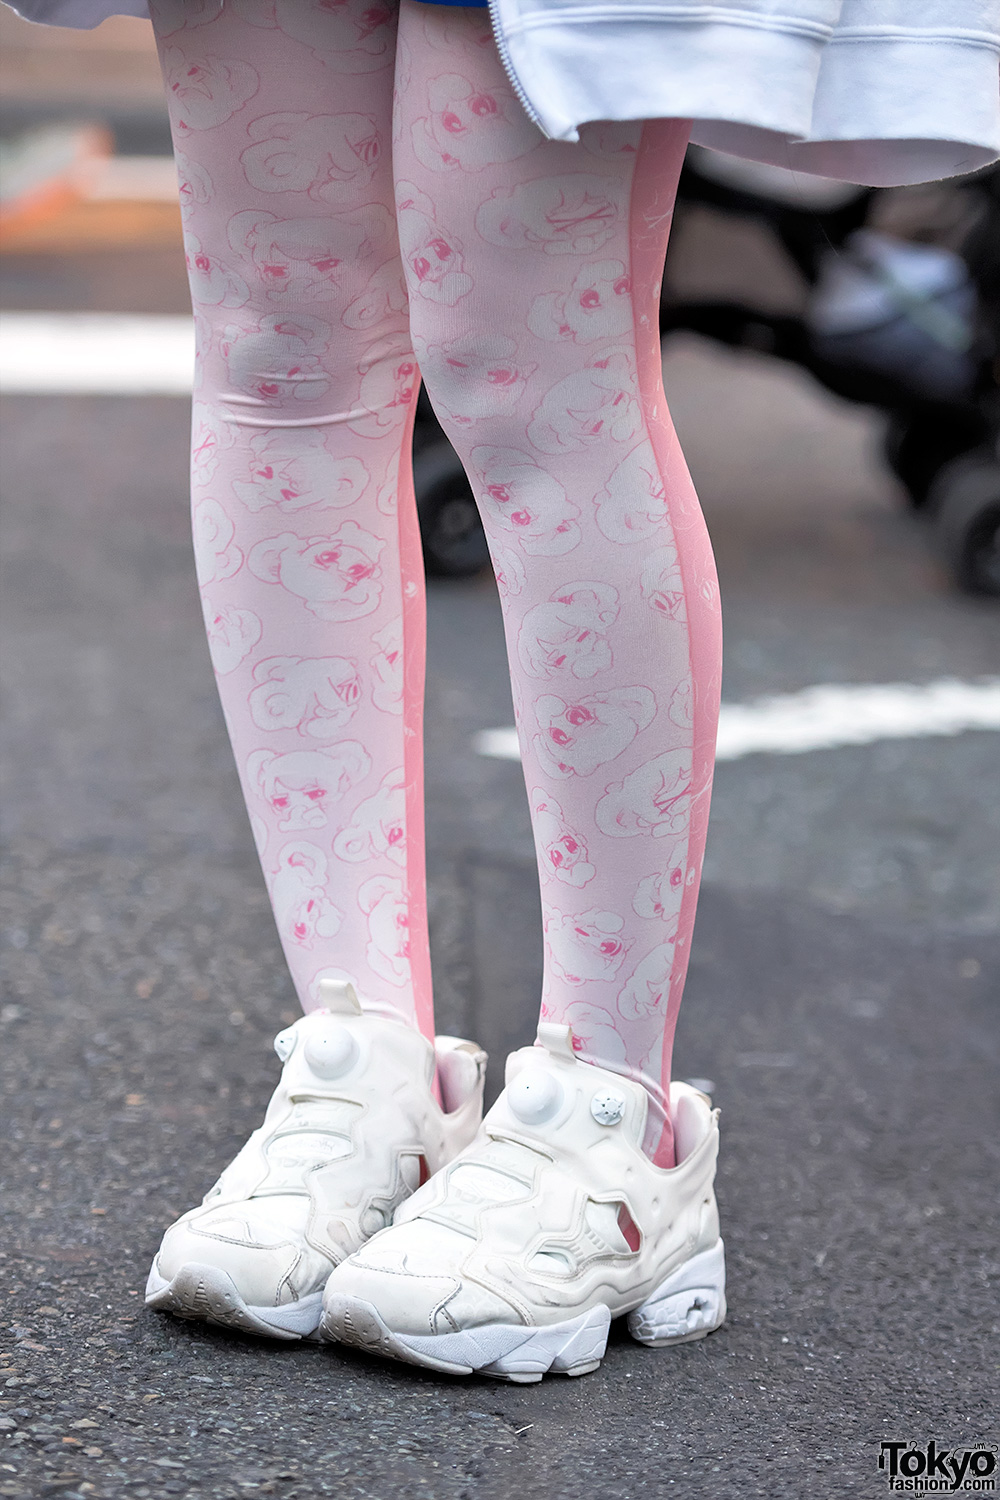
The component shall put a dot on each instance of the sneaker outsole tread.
(209, 1294)
(504, 1351)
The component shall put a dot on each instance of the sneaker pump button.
(535, 1096)
(331, 1052)
(607, 1107)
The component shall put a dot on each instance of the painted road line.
(97, 354)
(831, 715)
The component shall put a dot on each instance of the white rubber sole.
(209, 1294)
(689, 1304)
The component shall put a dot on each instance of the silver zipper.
(515, 82)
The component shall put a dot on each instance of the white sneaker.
(518, 1254)
(351, 1130)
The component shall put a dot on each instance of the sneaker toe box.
(416, 1278)
(262, 1257)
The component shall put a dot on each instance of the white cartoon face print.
(302, 260)
(433, 258)
(585, 947)
(302, 909)
(378, 825)
(315, 695)
(388, 950)
(280, 360)
(632, 507)
(647, 989)
(182, 15)
(579, 736)
(206, 91)
(478, 376)
(611, 140)
(194, 184)
(212, 282)
(593, 1030)
(522, 499)
(387, 497)
(232, 635)
(384, 296)
(565, 637)
(404, 65)
(562, 853)
(215, 552)
(658, 897)
(209, 439)
(573, 214)
(680, 710)
(509, 570)
(654, 798)
(329, 157)
(598, 305)
(206, 343)
(459, 29)
(388, 385)
(347, 36)
(661, 583)
(387, 667)
(468, 128)
(300, 785)
(290, 469)
(336, 577)
(594, 406)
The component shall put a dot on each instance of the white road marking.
(829, 715)
(97, 354)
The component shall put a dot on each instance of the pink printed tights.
(365, 204)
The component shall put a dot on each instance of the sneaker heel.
(687, 1306)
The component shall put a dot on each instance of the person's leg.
(305, 527)
(308, 558)
(533, 270)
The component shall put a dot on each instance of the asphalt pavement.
(842, 999)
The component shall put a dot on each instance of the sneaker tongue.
(557, 1039)
(340, 997)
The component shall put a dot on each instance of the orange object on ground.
(46, 170)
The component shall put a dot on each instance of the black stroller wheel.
(965, 503)
(451, 531)
(918, 444)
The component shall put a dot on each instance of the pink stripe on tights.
(654, 185)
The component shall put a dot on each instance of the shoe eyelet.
(608, 1107)
(284, 1043)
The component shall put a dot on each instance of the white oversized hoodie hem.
(873, 104)
(874, 91)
